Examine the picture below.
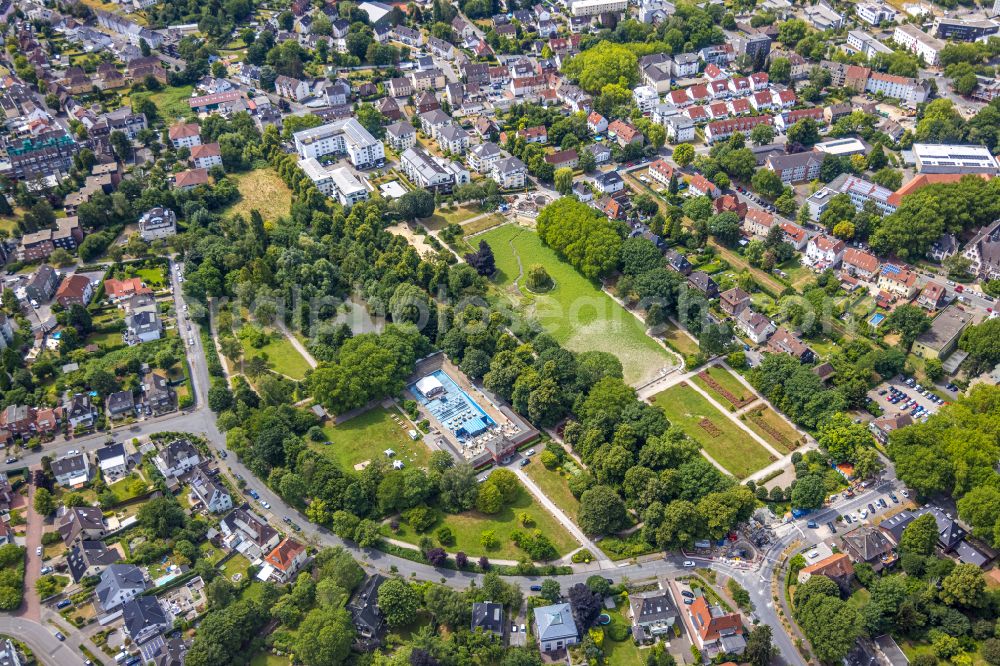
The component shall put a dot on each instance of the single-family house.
(755, 326)
(210, 493)
(653, 614)
(144, 619)
(71, 470)
(177, 458)
(555, 627)
(119, 583)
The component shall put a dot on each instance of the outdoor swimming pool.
(451, 406)
(876, 319)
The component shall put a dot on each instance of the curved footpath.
(202, 421)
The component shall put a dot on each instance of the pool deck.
(443, 438)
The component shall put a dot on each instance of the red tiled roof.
(284, 554)
(191, 178)
(206, 150)
(183, 131)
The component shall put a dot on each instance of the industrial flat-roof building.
(950, 158)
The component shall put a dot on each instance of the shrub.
(445, 536)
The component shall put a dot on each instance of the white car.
(689, 563)
(38, 551)
(264, 504)
(864, 513)
(529, 452)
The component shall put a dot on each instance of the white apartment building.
(908, 91)
(346, 136)
(337, 183)
(861, 42)
(646, 98)
(595, 7)
(874, 13)
(858, 189)
(432, 173)
(917, 41)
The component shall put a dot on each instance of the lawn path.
(729, 415)
(520, 266)
(565, 520)
(299, 347)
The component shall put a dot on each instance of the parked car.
(689, 563)
(264, 504)
(11, 460)
(687, 593)
(524, 463)
(60, 636)
(832, 527)
(63, 603)
(38, 551)
(536, 588)
(812, 524)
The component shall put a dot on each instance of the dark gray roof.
(69, 464)
(488, 616)
(88, 554)
(142, 613)
(364, 608)
(118, 577)
(176, 451)
(653, 606)
(110, 451)
(896, 524)
(120, 402)
(950, 533)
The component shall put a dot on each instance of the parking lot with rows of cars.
(905, 396)
(871, 512)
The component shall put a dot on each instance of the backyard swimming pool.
(451, 406)
(876, 319)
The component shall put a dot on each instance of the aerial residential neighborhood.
(492, 332)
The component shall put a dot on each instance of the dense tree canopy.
(584, 237)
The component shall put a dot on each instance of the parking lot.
(897, 397)
(876, 510)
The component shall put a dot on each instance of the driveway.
(31, 608)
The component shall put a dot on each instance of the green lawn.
(468, 527)
(679, 340)
(787, 435)
(268, 659)
(172, 102)
(445, 216)
(484, 223)
(284, 358)
(727, 382)
(264, 191)
(554, 484)
(728, 445)
(576, 312)
(367, 436)
(621, 653)
(237, 565)
(153, 277)
(131, 486)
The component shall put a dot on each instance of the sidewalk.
(565, 520)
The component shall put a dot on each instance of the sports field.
(723, 440)
(575, 312)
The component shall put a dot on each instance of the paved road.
(42, 641)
